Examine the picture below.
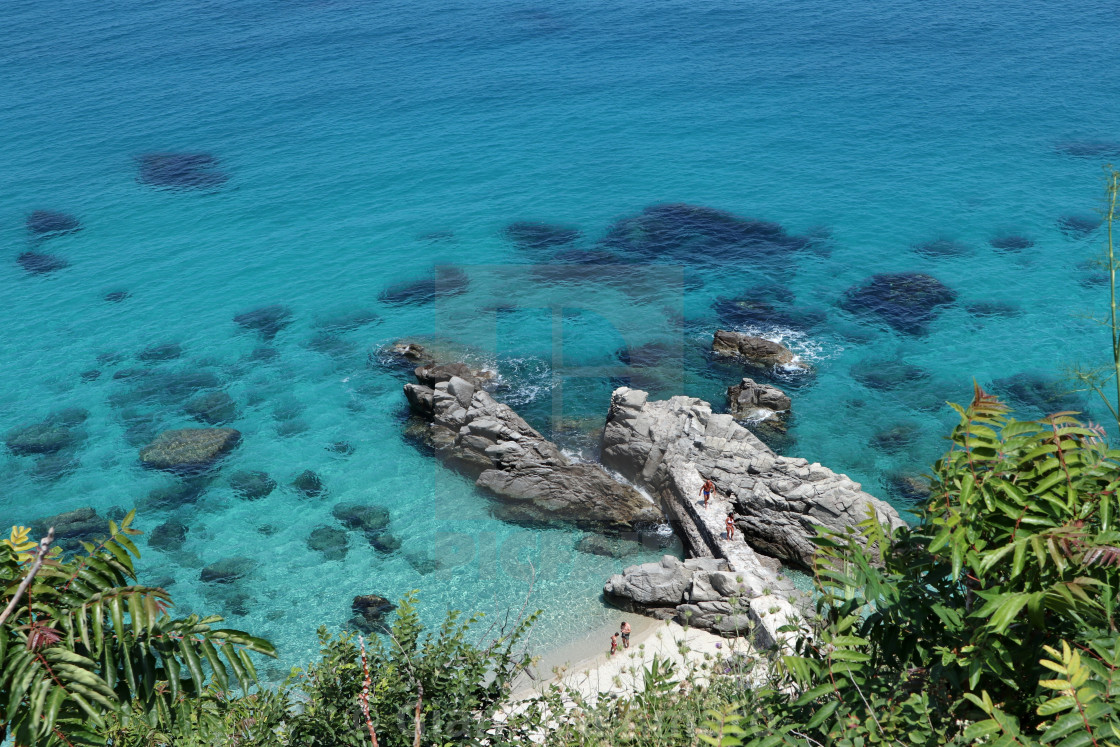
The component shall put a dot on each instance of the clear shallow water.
(349, 131)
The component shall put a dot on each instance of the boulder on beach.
(266, 321)
(227, 570)
(755, 350)
(189, 449)
(43, 223)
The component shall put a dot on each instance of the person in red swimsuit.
(706, 491)
(614, 643)
(730, 526)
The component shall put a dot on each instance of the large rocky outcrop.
(673, 445)
(705, 593)
(756, 351)
(535, 482)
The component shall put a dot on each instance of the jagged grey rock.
(471, 431)
(749, 400)
(673, 445)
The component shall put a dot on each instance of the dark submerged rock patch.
(189, 449)
(693, 233)
(369, 613)
(227, 570)
(266, 321)
(252, 485)
(907, 301)
(309, 484)
(532, 236)
(1039, 391)
(167, 351)
(1090, 149)
(886, 374)
(450, 281)
(942, 247)
(1010, 242)
(1078, 226)
(71, 528)
(348, 321)
(116, 296)
(180, 171)
(213, 408)
(37, 263)
(44, 223)
(330, 541)
(168, 536)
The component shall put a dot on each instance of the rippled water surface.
(337, 149)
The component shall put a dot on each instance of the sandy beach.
(587, 667)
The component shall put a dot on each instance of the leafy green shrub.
(88, 654)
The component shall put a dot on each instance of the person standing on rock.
(625, 634)
(706, 491)
(730, 526)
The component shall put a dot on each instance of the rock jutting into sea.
(487, 440)
(749, 400)
(670, 447)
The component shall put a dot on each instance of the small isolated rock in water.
(38, 263)
(189, 449)
(43, 223)
(330, 541)
(214, 408)
(755, 350)
(266, 321)
(608, 547)
(309, 483)
(371, 520)
(252, 485)
(228, 570)
(1078, 226)
(180, 171)
(907, 301)
(749, 400)
(169, 535)
(408, 353)
(369, 613)
(1010, 242)
(535, 236)
(167, 351)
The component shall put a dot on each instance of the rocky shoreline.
(667, 449)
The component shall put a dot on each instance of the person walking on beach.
(706, 491)
(614, 643)
(625, 634)
(730, 526)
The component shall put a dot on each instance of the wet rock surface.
(189, 449)
(750, 400)
(535, 482)
(754, 350)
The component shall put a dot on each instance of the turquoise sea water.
(367, 143)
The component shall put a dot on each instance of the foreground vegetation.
(992, 621)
